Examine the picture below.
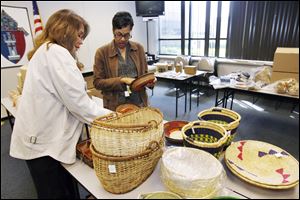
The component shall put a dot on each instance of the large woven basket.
(229, 119)
(206, 136)
(127, 134)
(262, 164)
(119, 175)
(191, 173)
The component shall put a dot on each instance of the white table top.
(269, 89)
(233, 185)
(86, 176)
(177, 76)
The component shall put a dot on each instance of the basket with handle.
(229, 119)
(127, 134)
(119, 175)
(205, 135)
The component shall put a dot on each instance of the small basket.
(127, 134)
(206, 136)
(229, 119)
(119, 175)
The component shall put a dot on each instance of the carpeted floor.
(260, 121)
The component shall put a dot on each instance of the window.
(197, 28)
(170, 29)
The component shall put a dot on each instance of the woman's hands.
(127, 80)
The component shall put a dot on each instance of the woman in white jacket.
(53, 107)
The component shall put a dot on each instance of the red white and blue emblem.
(13, 43)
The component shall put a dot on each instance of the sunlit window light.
(253, 106)
(239, 103)
(295, 112)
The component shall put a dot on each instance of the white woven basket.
(191, 173)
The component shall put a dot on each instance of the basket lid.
(262, 164)
(191, 164)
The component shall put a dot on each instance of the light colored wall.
(99, 15)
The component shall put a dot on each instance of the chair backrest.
(206, 64)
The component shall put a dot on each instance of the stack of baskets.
(206, 136)
(192, 173)
(229, 119)
(126, 148)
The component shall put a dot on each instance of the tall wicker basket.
(127, 134)
(119, 175)
(229, 119)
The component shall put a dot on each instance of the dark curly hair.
(121, 20)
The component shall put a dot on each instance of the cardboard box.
(286, 60)
(190, 69)
(283, 75)
(161, 67)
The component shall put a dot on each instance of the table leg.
(217, 96)
(176, 102)
(224, 99)
(232, 97)
(190, 89)
(185, 98)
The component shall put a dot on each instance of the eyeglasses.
(120, 35)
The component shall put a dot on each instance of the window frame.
(206, 39)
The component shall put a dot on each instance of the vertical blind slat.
(257, 28)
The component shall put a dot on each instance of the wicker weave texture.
(119, 175)
(127, 134)
(262, 164)
(206, 136)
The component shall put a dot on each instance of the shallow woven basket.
(205, 135)
(262, 164)
(119, 175)
(127, 134)
(229, 119)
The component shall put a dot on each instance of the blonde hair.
(62, 28)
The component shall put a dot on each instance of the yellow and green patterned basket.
(205, 135)
(229, 119)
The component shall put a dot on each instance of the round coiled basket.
(127, 134)
(206, 136)
(229, 119)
